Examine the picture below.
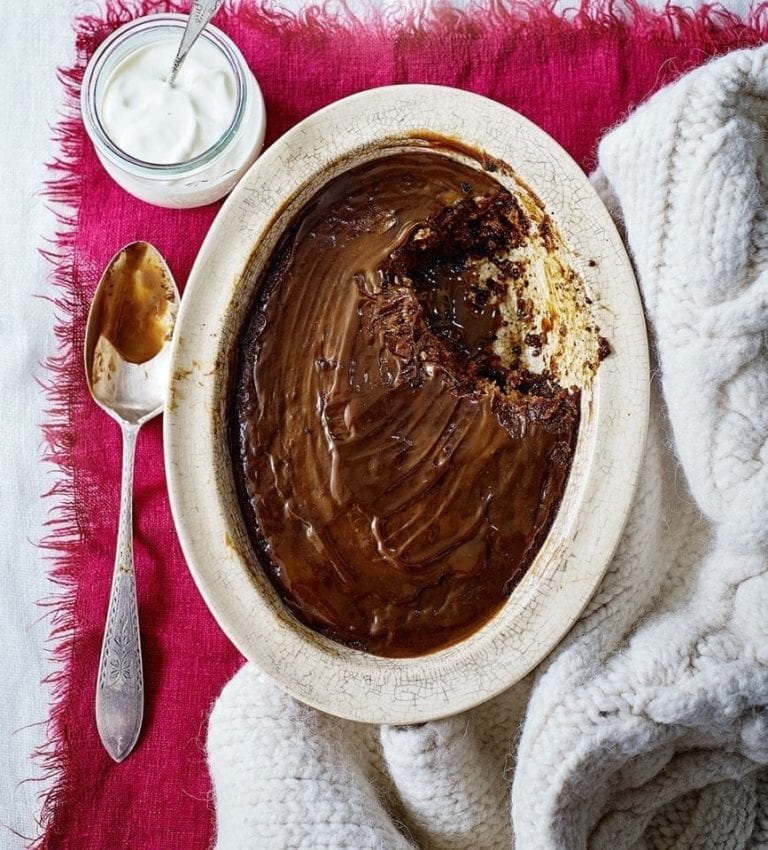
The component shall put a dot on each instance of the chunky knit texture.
(648, 727)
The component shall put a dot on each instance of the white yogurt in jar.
(156, 122)
(183, 145)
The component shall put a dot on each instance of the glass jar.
(204, 178)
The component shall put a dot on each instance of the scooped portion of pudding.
(406, 401)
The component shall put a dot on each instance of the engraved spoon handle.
(120, 687)
(202, 12)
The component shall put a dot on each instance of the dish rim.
(336, 679)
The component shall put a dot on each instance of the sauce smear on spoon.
(134, 303)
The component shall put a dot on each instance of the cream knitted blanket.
(648, 727)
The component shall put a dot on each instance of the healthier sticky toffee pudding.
(406, 401)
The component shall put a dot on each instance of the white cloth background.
(35, 38)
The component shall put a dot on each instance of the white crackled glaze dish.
(586, 530)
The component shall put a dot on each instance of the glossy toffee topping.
(133, 304)
(398, 464)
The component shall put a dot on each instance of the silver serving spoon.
(202, 12)
(127, 366)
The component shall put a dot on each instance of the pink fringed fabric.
(575, 76)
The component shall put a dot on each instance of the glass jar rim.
(90, 109)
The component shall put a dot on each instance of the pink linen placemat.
(575, 77)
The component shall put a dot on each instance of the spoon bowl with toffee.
(127, 366)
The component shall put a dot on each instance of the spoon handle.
(202, 12)
(120, 688)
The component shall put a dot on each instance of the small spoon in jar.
(201, 13)
(127, 366)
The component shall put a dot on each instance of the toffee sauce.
(133, 302)
(396, 479)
